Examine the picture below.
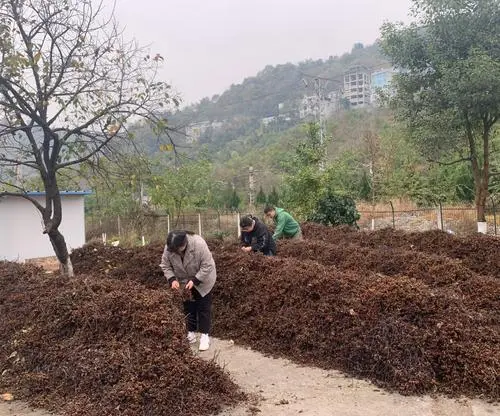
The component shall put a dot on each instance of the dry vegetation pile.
(410, 311)
(99, 346)
(413, 312)
(477, 252)
(399, 332)
(137, 264)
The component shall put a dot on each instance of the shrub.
(332, 209)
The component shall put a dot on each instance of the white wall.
(21, 227)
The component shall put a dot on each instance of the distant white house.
(21, 226)
(268, 120)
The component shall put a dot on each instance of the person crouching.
(255, 236)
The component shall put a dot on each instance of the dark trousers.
(198, 312)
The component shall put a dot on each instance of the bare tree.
(69, 86)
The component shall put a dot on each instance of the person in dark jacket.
(256, 237)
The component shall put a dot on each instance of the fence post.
(494, 213)
(103, 234)
(119, 227)
(393, 219)
(168, 223)
(199, 223)
(440, 223)
(238, 224)
(372, 212)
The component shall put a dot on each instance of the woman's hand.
(189, 285)
(175, 285)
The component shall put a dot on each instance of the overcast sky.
(210, 44)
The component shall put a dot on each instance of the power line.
(321, 78)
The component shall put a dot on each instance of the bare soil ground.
(279, 387)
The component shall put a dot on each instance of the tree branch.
(14, 162)
(87, 156)
(461, 160)
(27, 197)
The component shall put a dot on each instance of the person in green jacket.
(286, 226)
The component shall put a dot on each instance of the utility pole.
(251, 187)
(320, 85)
(319, 114)
(319, 107)
(372, 143)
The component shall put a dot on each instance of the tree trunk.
(481, 172)
(481, 196)
(61, 250)
(481, 210)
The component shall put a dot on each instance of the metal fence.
(148, 228)
(453, 219)
(154, 228)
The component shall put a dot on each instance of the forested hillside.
(367, 153)
(276, 90)
(258, 96)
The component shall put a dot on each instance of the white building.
(21, 226)
(331, 104)
(357, 88)
(195, 130)
(268, 120)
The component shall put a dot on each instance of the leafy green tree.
(261, 197)
(225, 197)
(333, 209)
(365, 187)
(400, 170)
(118, 189)
(344, 174)
(312, 151)
(273, 197)
(235, 201)
(69, 84)
(180, 187)
(305, 181)
(448, 90)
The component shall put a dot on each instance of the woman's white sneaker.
(204, 342)
(191, 337)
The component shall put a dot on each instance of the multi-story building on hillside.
(195, 130)
(357, 86)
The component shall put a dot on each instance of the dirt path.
(283, 388)
(279, 387)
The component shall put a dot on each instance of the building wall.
(21, 227)
(357, 87)
(381, 80)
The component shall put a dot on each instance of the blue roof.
(39, 193)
